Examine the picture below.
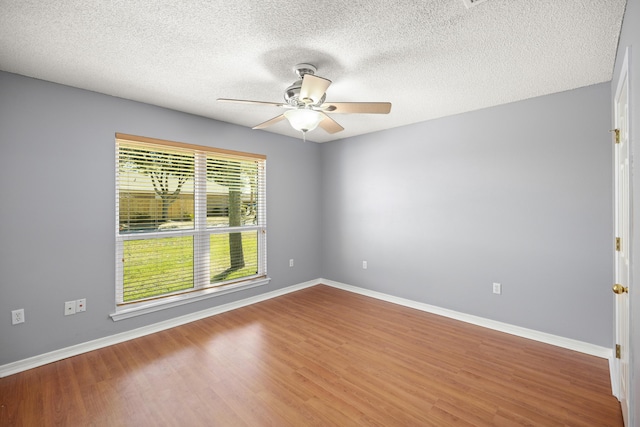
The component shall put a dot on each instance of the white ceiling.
(429, 58)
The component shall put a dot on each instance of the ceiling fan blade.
(357, 107)
(270, 122)
(313, 88)
(330, 125)
(244, 101)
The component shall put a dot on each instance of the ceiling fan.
(306, 106)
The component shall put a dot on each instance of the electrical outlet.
(81, 305)
(291, 262)
(497, 288)
(364, 265)
(69, 308)
(17, 316)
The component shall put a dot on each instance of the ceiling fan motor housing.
(292, 93)
(292, 96)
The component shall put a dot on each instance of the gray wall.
(57, 208)
(630, 37)
(519, 194)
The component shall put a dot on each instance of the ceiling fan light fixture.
(304, 119)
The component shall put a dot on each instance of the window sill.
(146, 307)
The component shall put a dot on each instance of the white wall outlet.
(17, 316)
(364, 265)
(497, 288)
(69, 308)
(81, 305)
(291, 262)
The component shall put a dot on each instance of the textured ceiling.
(428, 58)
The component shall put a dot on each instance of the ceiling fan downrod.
(302, 69)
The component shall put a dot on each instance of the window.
(190, 223)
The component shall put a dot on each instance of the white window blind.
(189, 219)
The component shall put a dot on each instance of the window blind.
(188, 217)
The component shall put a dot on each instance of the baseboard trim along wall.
(54, 356)
(558, 341)
(570, 344)
(63, 353)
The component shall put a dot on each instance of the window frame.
(200, 231)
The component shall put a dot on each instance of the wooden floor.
(323, 357)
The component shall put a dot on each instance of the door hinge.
(617, 132)
(618, 244)
(617, 351)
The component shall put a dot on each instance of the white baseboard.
(582, 347)
(63, 353)
(56, 355)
